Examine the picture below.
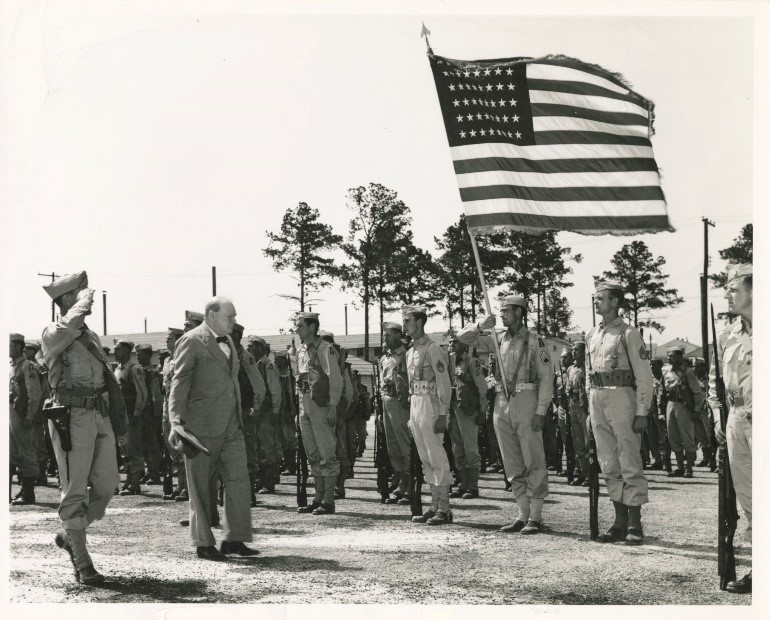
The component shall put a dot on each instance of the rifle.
(300, 455)
(593, 485)
(727, 509)
(415, 471)
(380, 445)
(569, 446)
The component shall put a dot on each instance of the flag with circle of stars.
(550, 144)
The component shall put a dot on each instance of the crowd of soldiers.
(457, 411)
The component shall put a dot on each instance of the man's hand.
(538, 421)
(440, 426)
(639, 424)
(173, 437)
(719, 434)
(488, 322)
(87, 295)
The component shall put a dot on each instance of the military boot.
(27, 494)
(443, 515)
(473, 483)
(431, 512)
(679, 471)
(339, 489)
(619, 529)
(689, 464)
(706, 458)
(132, 485)
(463, 486)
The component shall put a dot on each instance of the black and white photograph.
(428, 309)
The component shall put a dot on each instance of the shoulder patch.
(544, 357)
(440, 366)
(643, 353)
(251, 360)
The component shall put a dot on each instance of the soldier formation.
(608, 406)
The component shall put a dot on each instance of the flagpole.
(489, 311)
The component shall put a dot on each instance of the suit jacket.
(204, 390)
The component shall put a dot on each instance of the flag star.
(446, 73)
(465, 102)
(473, 101)
(493, 103)
(487, 71)
(489, 86)
(467, 73)
(486, 116)
(505, 119)
(511, 86)
(502, 103)
(451, 87)
(473, 133)
(460, 118)
(460, 86)
(497, 118)
(509, 71)
(515, 118)
(518, 136)
(462, 134)
(470, 117)
(483, 133)
(478, 116)
(510, 135)
(499, 86)
(513, 102)
(477, 73)
(456, 102)
(498, 71)
(499, 133)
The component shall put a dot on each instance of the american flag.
(550, 144)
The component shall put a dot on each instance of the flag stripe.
(587, 137)
(569, 208)
(561, 194)
(581, 66)
(564, 123)
(559, 179)
(538, 71)
(580, 88)
(585, 101)
(550, 166)
(556, 151)
(617, 118)
(596, 225)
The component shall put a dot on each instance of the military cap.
(390, 325)
(17, 338)
(192, 318)
(163, 351)
(189, 443)
(675, 349)
(579, 343)
(144, 347)
(125, 343)
(738, 270)
(323, 333)
(65, 284)
(32, 345)
(699, 360)
(513, 300)
(106, 350)
(257, 340)
(283, 354)
(176, 331)
(565, 352)
(608, 285)
(413, 310)
(238, 329)
(306, 315)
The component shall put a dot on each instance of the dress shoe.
(210, 553)
(339, 494)
(394, 499)
(62, 541)
(154, 480)
(404, 500)
(532, 527)
(132, 490)
(185, 522)
(687, 472)
(514, 527)
(169, 497)
(677, 473)
(182, 496)
(309, 508)
(89, 576)
(635, 536)
(471, 494)
(324, 509)
(423, 518)
(457, 494)
(577, 481)
(742, 586)
(441, 518)
(614, 534)
(562, 474)
(237, 547)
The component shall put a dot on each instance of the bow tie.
(222, 339)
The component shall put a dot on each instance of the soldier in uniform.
(319, 385)
(31, 350)
(526, 370)
(656, 418)
(578, 410)
(561, 404)
(395, 403)
(152, 415)
(269, 416)
(704, 425)
(79, 377)
(286, 428)
(131, 378)
(468, 410)
(431, 394)
(619, 384)
(350, 419)
(25, 396)
(252, 396)
(735, 348)
(363, 415)
(684, 400)
(180, 493)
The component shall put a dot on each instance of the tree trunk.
(301, 291)
(365, 280)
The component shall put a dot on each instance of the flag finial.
(425, 32)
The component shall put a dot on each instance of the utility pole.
(214, 281)
(145, 325)
(704, 319)
(346, 319)
(104, 311)
(53, 276)
(593, 311)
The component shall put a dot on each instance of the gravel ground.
(371, 553)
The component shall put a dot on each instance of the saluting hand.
(487, 322)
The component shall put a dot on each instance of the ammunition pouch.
(60, 417)
(81, 397)
(423, 387)
(620, 377)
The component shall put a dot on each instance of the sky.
(149, 141)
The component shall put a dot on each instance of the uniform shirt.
(327, 358)
(605, 351)
(131, 371)
(735, 361)
(25, 379)
(472, 366)
(425, 362)
(154, 392)
(677, 380)
(536, 368)
(273, 382)
(576, 387)
(60, 337)
(249, 366)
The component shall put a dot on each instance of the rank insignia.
(440, 366)
(544, 357)
(643, 353)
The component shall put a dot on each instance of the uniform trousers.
(738, 434)
(520, 447)
(703, 428)
(681, 429)
(579, 426)
(318, 425)
(132, 451)
(288, 436)
(617, 445)
(341, 432)
(175, 456)
(251, 439)
(361, 434)
(89, 484)
(228, 462)
(268, 442)
(38, 442)
(22, 451)
(396, 420)
(465, 438)
(430, 445)
(150, 446)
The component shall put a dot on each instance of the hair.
(614, 293)
(748, 282)
(311, 322)
(420, 316)
(215, 304)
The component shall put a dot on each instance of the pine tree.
(741, 251)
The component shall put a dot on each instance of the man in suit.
(206, 399)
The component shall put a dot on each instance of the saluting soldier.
(152, 415)
(526, 371)
(319, 386)
(619, 384)
(431, 394)
(578, 411)
(684, 401)
(131, 378)
(253, 393)
(167, 371)
(468, 410)
(25, 396)
(395, 403)
(734, 344)
(31, 350)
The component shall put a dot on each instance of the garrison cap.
(699, 360)
(579, 343)
(390, 325)
(608, 285)
(513, 300)
(282, 354)
(323, 333)
(192, 318)
(257, 340)
(306, 315)
(413, 310)
(675, 349)
(32, 345)
(176, 331)
(238, 329)
(17, 338)
(65, 284)
(738, 270)
(125, 343)
(565, 352)
(144, 347)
